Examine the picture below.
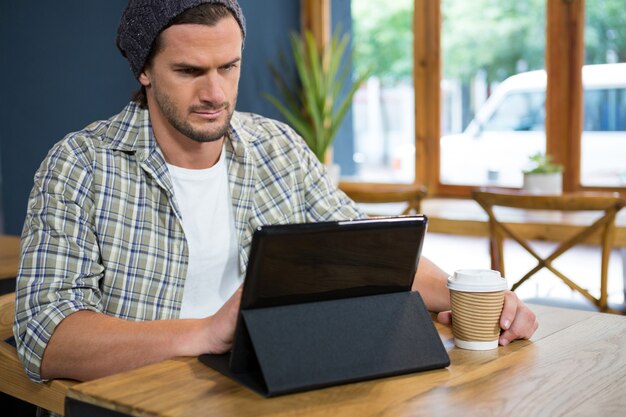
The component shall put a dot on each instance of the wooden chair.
(374, 193)
(601, 228)
(13, 379)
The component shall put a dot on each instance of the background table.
(9, 260)
(9, 256)
(574, 365)
(465, 217)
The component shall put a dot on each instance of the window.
(495, 147)
(603, 142)
(383, 108)
(518, 112)
(605, 110)
(494, 59)
(463, 54)
(604, 138)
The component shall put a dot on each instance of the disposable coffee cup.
(477, 297)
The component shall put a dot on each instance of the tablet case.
(368, 325)
(311, 345)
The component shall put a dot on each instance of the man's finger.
(509, 310)
(445, 317)
(522, 327)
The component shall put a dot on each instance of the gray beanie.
(143, 20)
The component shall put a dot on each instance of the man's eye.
(229, 67)
(187, 71)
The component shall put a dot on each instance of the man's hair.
(208, 14)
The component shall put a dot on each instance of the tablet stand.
(305, 346)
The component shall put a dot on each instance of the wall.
(343, 145)
(61, 70)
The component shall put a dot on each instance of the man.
(138, 227)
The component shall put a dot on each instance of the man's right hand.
(88, 345)
(220, 328)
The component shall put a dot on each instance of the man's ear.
(144, 78)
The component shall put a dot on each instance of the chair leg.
(496, 252)
(603, 301)
(623, 251)
(493, 252)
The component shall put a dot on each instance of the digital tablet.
(308, 262)
(329, 303)
(297, 263)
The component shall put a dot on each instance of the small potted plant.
(543, 176)
(316, 107)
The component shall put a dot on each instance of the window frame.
(564, 57)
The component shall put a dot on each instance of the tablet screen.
(299, 263)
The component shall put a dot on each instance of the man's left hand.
(517, 320)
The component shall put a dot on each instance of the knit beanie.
(143, 21)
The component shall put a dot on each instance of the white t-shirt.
(213, 274)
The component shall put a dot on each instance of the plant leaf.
(316, 108)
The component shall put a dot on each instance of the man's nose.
(211, 90)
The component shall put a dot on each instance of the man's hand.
(517, 320)
(88, 345)
(220, 327)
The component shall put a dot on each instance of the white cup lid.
(477, 280)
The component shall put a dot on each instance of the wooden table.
(574, 365)
(9, 256)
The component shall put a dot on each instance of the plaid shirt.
(103, 230)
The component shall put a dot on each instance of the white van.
(509, 127)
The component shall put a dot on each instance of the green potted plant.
(316, 107)
(543, 176)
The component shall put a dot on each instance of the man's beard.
(169, 110)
